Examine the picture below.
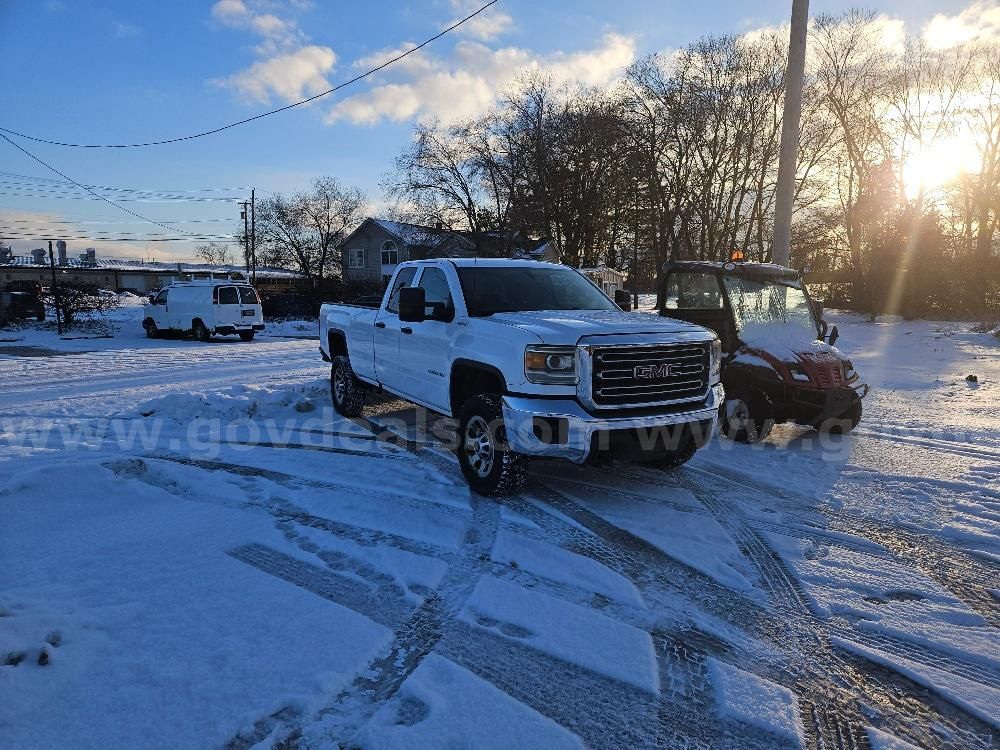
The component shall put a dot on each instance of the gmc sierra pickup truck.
(531, 359)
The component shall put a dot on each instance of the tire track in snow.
(967, 577)
(837, 717)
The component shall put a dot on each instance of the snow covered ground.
(197, 552)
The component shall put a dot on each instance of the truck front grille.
(642, 375)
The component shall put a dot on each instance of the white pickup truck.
(532, 359)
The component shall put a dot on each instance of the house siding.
(370, 238)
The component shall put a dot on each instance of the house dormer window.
(390, 253)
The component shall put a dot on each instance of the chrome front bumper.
(519, 413)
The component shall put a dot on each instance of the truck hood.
(569, 326)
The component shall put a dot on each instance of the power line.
(235, 189)
(5, 220)
(97, 195)
(313, 98)
(124, 239)
(139, 199)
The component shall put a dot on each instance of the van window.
(229, 296)
(248, 296)
(161, 298)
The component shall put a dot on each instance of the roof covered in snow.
(143, 266)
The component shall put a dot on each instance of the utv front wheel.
(346, 390)
(488, 463)
(845, 422)
(744, 423)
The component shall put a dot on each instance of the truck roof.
(487, 263)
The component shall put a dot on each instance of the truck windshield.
(490, 289)
(766, 303)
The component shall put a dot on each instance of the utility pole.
(253, 235)
(634, 271)
(246, 234)
(781, 251)
(55, 290)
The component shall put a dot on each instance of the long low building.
(132, 275)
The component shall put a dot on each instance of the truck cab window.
(437, 294)
(229, 296)
(403, 279)
(693, 291)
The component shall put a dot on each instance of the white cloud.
(289, 68)
(469, 83)
(487, 26)
(979, 21)
(290, 76)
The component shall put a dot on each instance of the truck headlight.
(551, 365)
(715, 366)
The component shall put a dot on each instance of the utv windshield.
(490, 289)
(758, 302)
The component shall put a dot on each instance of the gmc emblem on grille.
(650, 372)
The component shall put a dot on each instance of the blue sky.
(125, 71)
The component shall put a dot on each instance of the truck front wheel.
(488, 463)
(345, 388)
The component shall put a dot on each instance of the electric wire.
(262, 115)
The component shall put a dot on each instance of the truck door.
(423, 354)
(387, 333)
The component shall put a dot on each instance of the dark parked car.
(20, 301)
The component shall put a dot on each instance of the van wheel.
(489, 465)
(201, 332)
(744, 423)
(346, 390)
(151, 330)
(246, 335)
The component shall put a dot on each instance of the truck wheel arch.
(470, 378)
(336, 343)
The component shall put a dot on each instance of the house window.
(390, 253)
(356, 257)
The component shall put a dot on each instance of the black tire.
(746, 421)
(151, 330)
(488, 464)
(246, 335)
(201, 332)
(346, 390)
(844, 423)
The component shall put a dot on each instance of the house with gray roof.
(373, 250)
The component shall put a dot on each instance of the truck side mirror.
(623, 299)
(411, 305)
(834, 335)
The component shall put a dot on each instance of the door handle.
(406, 330)
(380, 325)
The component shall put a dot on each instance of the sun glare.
(938, 164)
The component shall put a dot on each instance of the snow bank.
(442, 705)
(750, 699)
(239, 402)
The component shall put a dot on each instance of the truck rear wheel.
(346, 390)
(488, 463)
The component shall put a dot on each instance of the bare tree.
(215, 253)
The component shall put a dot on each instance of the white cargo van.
(203, 308)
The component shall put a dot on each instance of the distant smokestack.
(61, 249)
(38, 256)
(89, 256)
